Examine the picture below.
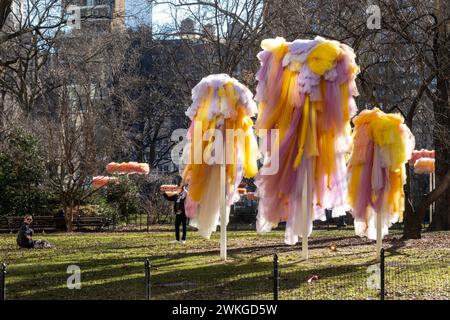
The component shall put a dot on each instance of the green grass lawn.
(112, 266)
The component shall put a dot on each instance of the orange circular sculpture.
(422, 153)
(242, 191)
(127, 168)
(169, 188)
(424, 165)
(101, 181)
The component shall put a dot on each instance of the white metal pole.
(434, 187)
(379, 232)
(223, 203)
(431, 189)
(305, 211)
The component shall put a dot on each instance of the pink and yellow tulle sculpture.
(382, 146)
(424, 165)
(305, 91)
(101, 181)
(127, 168)
(219, 103)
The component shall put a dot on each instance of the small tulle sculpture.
(422, 153)
(382, 146)
(127, 168)
(424, 165)
(102, 181)
(220, 104)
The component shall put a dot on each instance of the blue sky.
(138, 11)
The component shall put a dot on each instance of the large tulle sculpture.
(381, 147)
(305, 90)
(219, 102)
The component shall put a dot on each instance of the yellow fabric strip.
(301, 141)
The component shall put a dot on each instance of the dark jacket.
(178, 205)
(22, 240)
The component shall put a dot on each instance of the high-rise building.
(95, 15)
(16, 16)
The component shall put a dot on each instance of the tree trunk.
(441, 191)
(441, 108)
(412, 222)
(441, 219)
(69, 215)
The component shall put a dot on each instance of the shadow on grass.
(253, 281)
(123, 278)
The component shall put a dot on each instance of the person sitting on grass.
(180, 213)
(25, 236)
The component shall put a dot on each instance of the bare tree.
(147, 95)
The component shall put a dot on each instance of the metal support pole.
(382, 275)
(3, 282)
(431, 205)
(379, 243)
(223, 201)
(305, 218)
(276, 277)
(147, 280)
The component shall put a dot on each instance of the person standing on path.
(180, 213)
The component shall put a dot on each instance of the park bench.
(4, 225)
(44, 223)
(244, 211)
(15, 223)
(98, 223)
(40, 223)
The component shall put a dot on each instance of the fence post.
(276, 277)
(2, 282)
(382, 275)
(147, 280)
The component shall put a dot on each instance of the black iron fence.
(3, 281)
(393, 277)
(276, 277)
(413, 278)
(148, 284)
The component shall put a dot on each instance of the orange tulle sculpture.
(101, 181)
(422, 153)
(424, 165)
(242, 191)
(127, 168)
(169, 188)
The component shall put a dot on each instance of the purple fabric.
(365, 188)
